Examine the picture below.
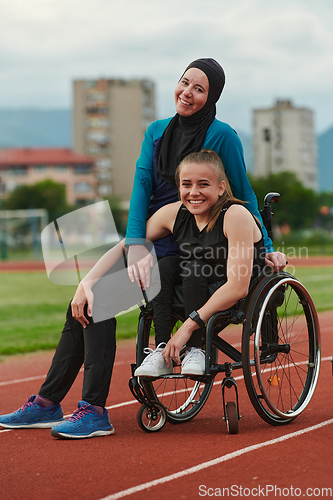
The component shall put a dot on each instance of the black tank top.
(212, 246)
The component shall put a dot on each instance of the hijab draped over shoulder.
(185, 135)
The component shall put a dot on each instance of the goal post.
(20, 232)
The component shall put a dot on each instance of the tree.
(298, 205)
(45, 194)
(119, 214)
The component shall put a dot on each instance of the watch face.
(195, 317)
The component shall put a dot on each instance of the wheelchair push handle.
(275, 197)
(266, 212)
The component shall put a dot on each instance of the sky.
(269, 50)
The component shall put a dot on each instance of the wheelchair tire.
(182, 397)
(280, 348)
(151, 419)
(231, 417)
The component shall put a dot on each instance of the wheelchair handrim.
(292, 413)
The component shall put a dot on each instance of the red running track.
(186, 461)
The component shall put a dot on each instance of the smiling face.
(191, 92)
(199, 188)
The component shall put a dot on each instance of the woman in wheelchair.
(220, 247)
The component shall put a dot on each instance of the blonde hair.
(210, 157)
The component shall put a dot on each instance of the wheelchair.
(279, 356)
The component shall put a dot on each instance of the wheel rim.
(152, 419)
(287, 370)
(179, 395)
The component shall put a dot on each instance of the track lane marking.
(216, 461)
(133, 401)
(37, 377)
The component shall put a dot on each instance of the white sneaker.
(194, 362)
(154, 365)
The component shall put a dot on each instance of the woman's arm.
(84, 294)
(143, 185)
(159, 225)
(240, 229)
(139, 205)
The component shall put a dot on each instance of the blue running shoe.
(84, 423)
(32, 416)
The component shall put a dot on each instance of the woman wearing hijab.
(166, 143)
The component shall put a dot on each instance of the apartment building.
(284, 140)
(109, 121)
(31, 165)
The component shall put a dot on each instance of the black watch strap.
(196, 317)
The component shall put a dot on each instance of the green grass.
(32, 309)
(319, 282)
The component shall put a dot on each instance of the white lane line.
(38, 377)
(133, 401)
(19, 380)
(219, 460)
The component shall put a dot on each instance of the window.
(98, 122)
(82, 169)
(93, 109)
(105, 190)
(40, 168)
(61, 168)
(103, 163)
(97, 136)
(19, 170)
(96, 96)
(83, 187)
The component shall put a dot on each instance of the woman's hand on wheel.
(82, 296)
(277, 260)
(139, 261)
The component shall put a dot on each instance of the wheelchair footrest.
(138, 391)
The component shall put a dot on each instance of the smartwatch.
(195, 317)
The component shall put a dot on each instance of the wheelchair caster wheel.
(151, 418)
(231, 417)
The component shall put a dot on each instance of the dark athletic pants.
(95, 346)
(195, 276)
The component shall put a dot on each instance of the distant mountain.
(35, 128)
(325, 160)
(38, 128)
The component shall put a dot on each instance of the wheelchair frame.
(280, 356)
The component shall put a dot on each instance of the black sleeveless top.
(212, 246)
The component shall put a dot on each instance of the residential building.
(31, 165)
(284, 140)
(109, 121)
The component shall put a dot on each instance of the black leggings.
(95, 346)
(194, 276)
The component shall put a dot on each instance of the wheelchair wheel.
(280, 348)
(231, 417)
(151, 418)
(182, 397)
